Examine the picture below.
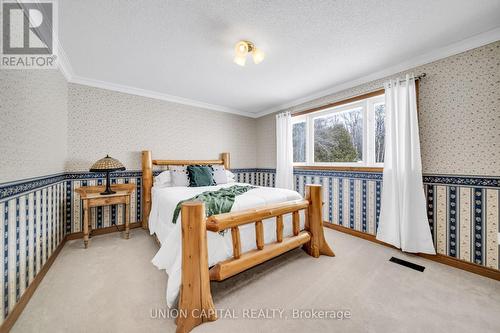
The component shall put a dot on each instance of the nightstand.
(91, 197)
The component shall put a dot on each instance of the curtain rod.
(417, 78)
(378, 91)
(381, 88)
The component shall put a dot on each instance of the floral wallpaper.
(34, 123)
(122, 125)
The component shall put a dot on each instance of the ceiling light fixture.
(244, 47)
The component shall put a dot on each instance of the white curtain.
(284, 151)
(403, 217)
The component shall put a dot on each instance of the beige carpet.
(113, 287)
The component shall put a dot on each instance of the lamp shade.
(241, 49)
(107, 164)
(240, 60)
(257, 55)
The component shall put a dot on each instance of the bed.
(262, 224)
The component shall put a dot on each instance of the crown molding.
(156, 95)
(67, 70)
(437, 54)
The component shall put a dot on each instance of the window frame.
(367, 105)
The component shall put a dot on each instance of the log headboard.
(147, 176)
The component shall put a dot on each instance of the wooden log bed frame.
(195, 300)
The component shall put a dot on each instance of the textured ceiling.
(185, 48)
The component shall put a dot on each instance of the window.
(299, 142)
(379, 132)
(344, 135)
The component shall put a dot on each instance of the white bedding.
(164, 201)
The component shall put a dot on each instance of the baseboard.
(102, 231)
(24, 299)
(464, 265)
(446, 260)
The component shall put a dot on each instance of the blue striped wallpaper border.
(11, 189)
(481, 181)
(102, 175)
(458, 180)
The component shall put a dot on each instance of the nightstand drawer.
(94, 202)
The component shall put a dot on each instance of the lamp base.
(108, 190)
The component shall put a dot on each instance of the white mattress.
(164, 201)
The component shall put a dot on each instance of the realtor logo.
(28, 35)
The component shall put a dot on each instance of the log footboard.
(314, 223)
(195, 301)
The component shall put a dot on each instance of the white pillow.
(231, 177)
(163, 179)
(219, 173)
(179, 175)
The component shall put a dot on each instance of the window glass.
(338, 137)
(299, 142)
(379, 132)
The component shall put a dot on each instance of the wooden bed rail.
(228, 220)
(233, 221)
(195, 297)
(187, 162)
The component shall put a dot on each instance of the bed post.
(226, 159)
(314, 224)
(195, 301)
(147, 183)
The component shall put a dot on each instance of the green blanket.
(216, 202)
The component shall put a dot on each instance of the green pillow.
(200, 175)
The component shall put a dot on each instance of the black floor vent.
(407, 264)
